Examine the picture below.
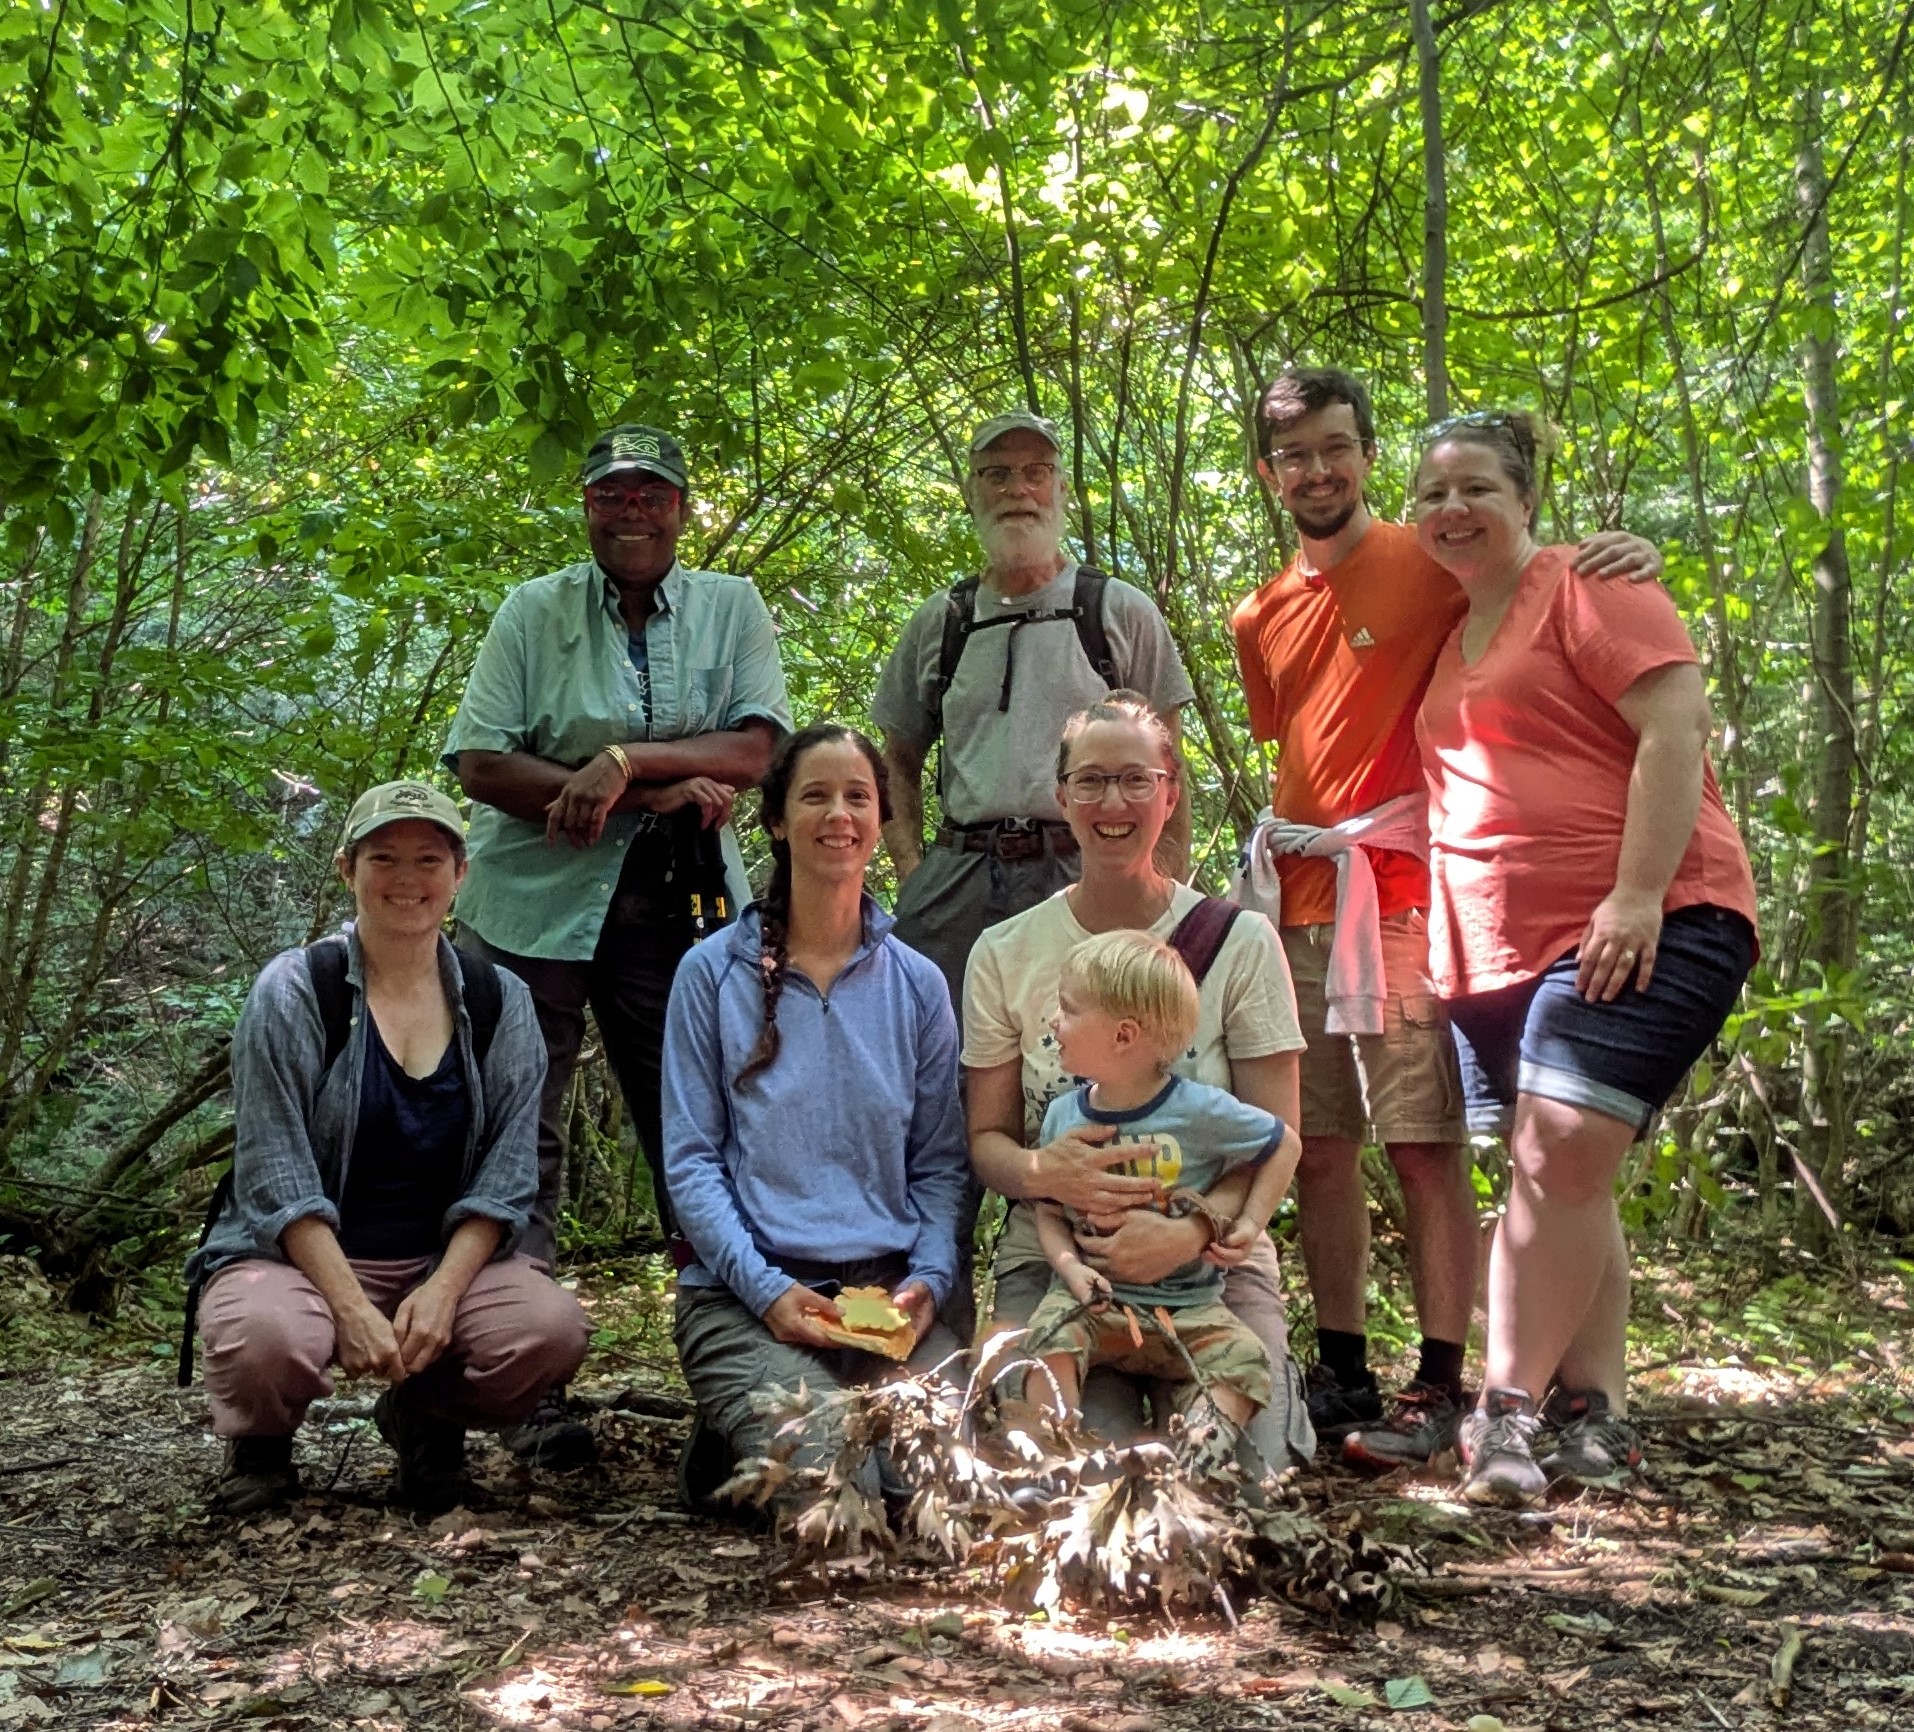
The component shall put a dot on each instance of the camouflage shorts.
(1225, 1350)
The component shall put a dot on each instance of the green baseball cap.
(629, 446)
(1018, 420)
(391, 801)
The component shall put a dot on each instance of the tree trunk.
(1830, 903)
(1435, 215)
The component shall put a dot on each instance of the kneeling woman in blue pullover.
(813, 1136)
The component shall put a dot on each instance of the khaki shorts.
(1223, 1348)
(1400, 1086)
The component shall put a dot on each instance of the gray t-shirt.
(1003, 763)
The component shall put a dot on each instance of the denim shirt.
(849, 1145)
(294, 1127)
(554, 678)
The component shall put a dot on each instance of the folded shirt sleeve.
(505, 1185)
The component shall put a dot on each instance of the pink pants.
(269, 1340)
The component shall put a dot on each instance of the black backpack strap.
(960, 620)
(484, 999)
(1087, 606)
(326, 964)
(1200, 934)
(215, 1207)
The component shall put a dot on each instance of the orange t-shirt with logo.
(1529, 763)
(1334, 666)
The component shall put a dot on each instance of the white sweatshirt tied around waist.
(1356, 982)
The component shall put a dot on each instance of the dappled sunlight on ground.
(1778, 1498)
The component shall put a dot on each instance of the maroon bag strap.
(1199, 935)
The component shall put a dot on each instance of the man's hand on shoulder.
(1618, 553)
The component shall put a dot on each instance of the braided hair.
(774, 908)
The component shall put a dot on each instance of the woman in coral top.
(1592, 923)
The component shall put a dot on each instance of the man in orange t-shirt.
(1336, 652)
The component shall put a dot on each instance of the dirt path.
(590, 1602)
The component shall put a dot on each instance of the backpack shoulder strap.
(1087, 607)
(189, 1326)
(960, 620)
(326, 963)
(484, 999)
(1200, 934)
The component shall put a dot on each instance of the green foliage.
(312, 310)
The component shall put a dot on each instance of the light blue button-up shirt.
(554, 678)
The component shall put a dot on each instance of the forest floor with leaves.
(1761, 1571)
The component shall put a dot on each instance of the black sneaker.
(551, 1436)
(1497, 1445)
(1593, 1444)
(1420, 1425)
(1337, 1408)
(256, 1475)
(430, 1476)
(704, 1464)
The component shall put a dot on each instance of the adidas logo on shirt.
(1362, 639)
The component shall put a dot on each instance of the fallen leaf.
(1592, 1625)
(1726, 1596)
(1483, 1723)
(1406, 1693)
(686, 1606)
(95, 1666)
(429, 1585)
(1345, 1696)
(639, 1687)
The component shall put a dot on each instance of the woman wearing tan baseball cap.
(385, 1104)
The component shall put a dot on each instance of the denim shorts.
(1624, 1058)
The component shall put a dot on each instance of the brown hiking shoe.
(430, 1476)
(256, 1475)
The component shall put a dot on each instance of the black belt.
(1009, 838)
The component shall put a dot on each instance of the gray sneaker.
(1593, 1444)
(1497, 1447)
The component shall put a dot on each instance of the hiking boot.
(1337, 1408)
(1497, 1446)
(1593, 1444)
(704, 1464)
(256, 1475)
(551, 1436)
(430, 1476)
(1420, 1425)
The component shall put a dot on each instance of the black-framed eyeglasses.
(1087, 787)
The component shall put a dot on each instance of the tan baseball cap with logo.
(390, 802)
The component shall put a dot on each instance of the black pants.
(626, 984)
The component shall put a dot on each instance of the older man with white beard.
(995, 666)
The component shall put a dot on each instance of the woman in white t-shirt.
(1117, 782)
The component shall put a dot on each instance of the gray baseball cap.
(629, 446)
(389, 802)
(1018, 420)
